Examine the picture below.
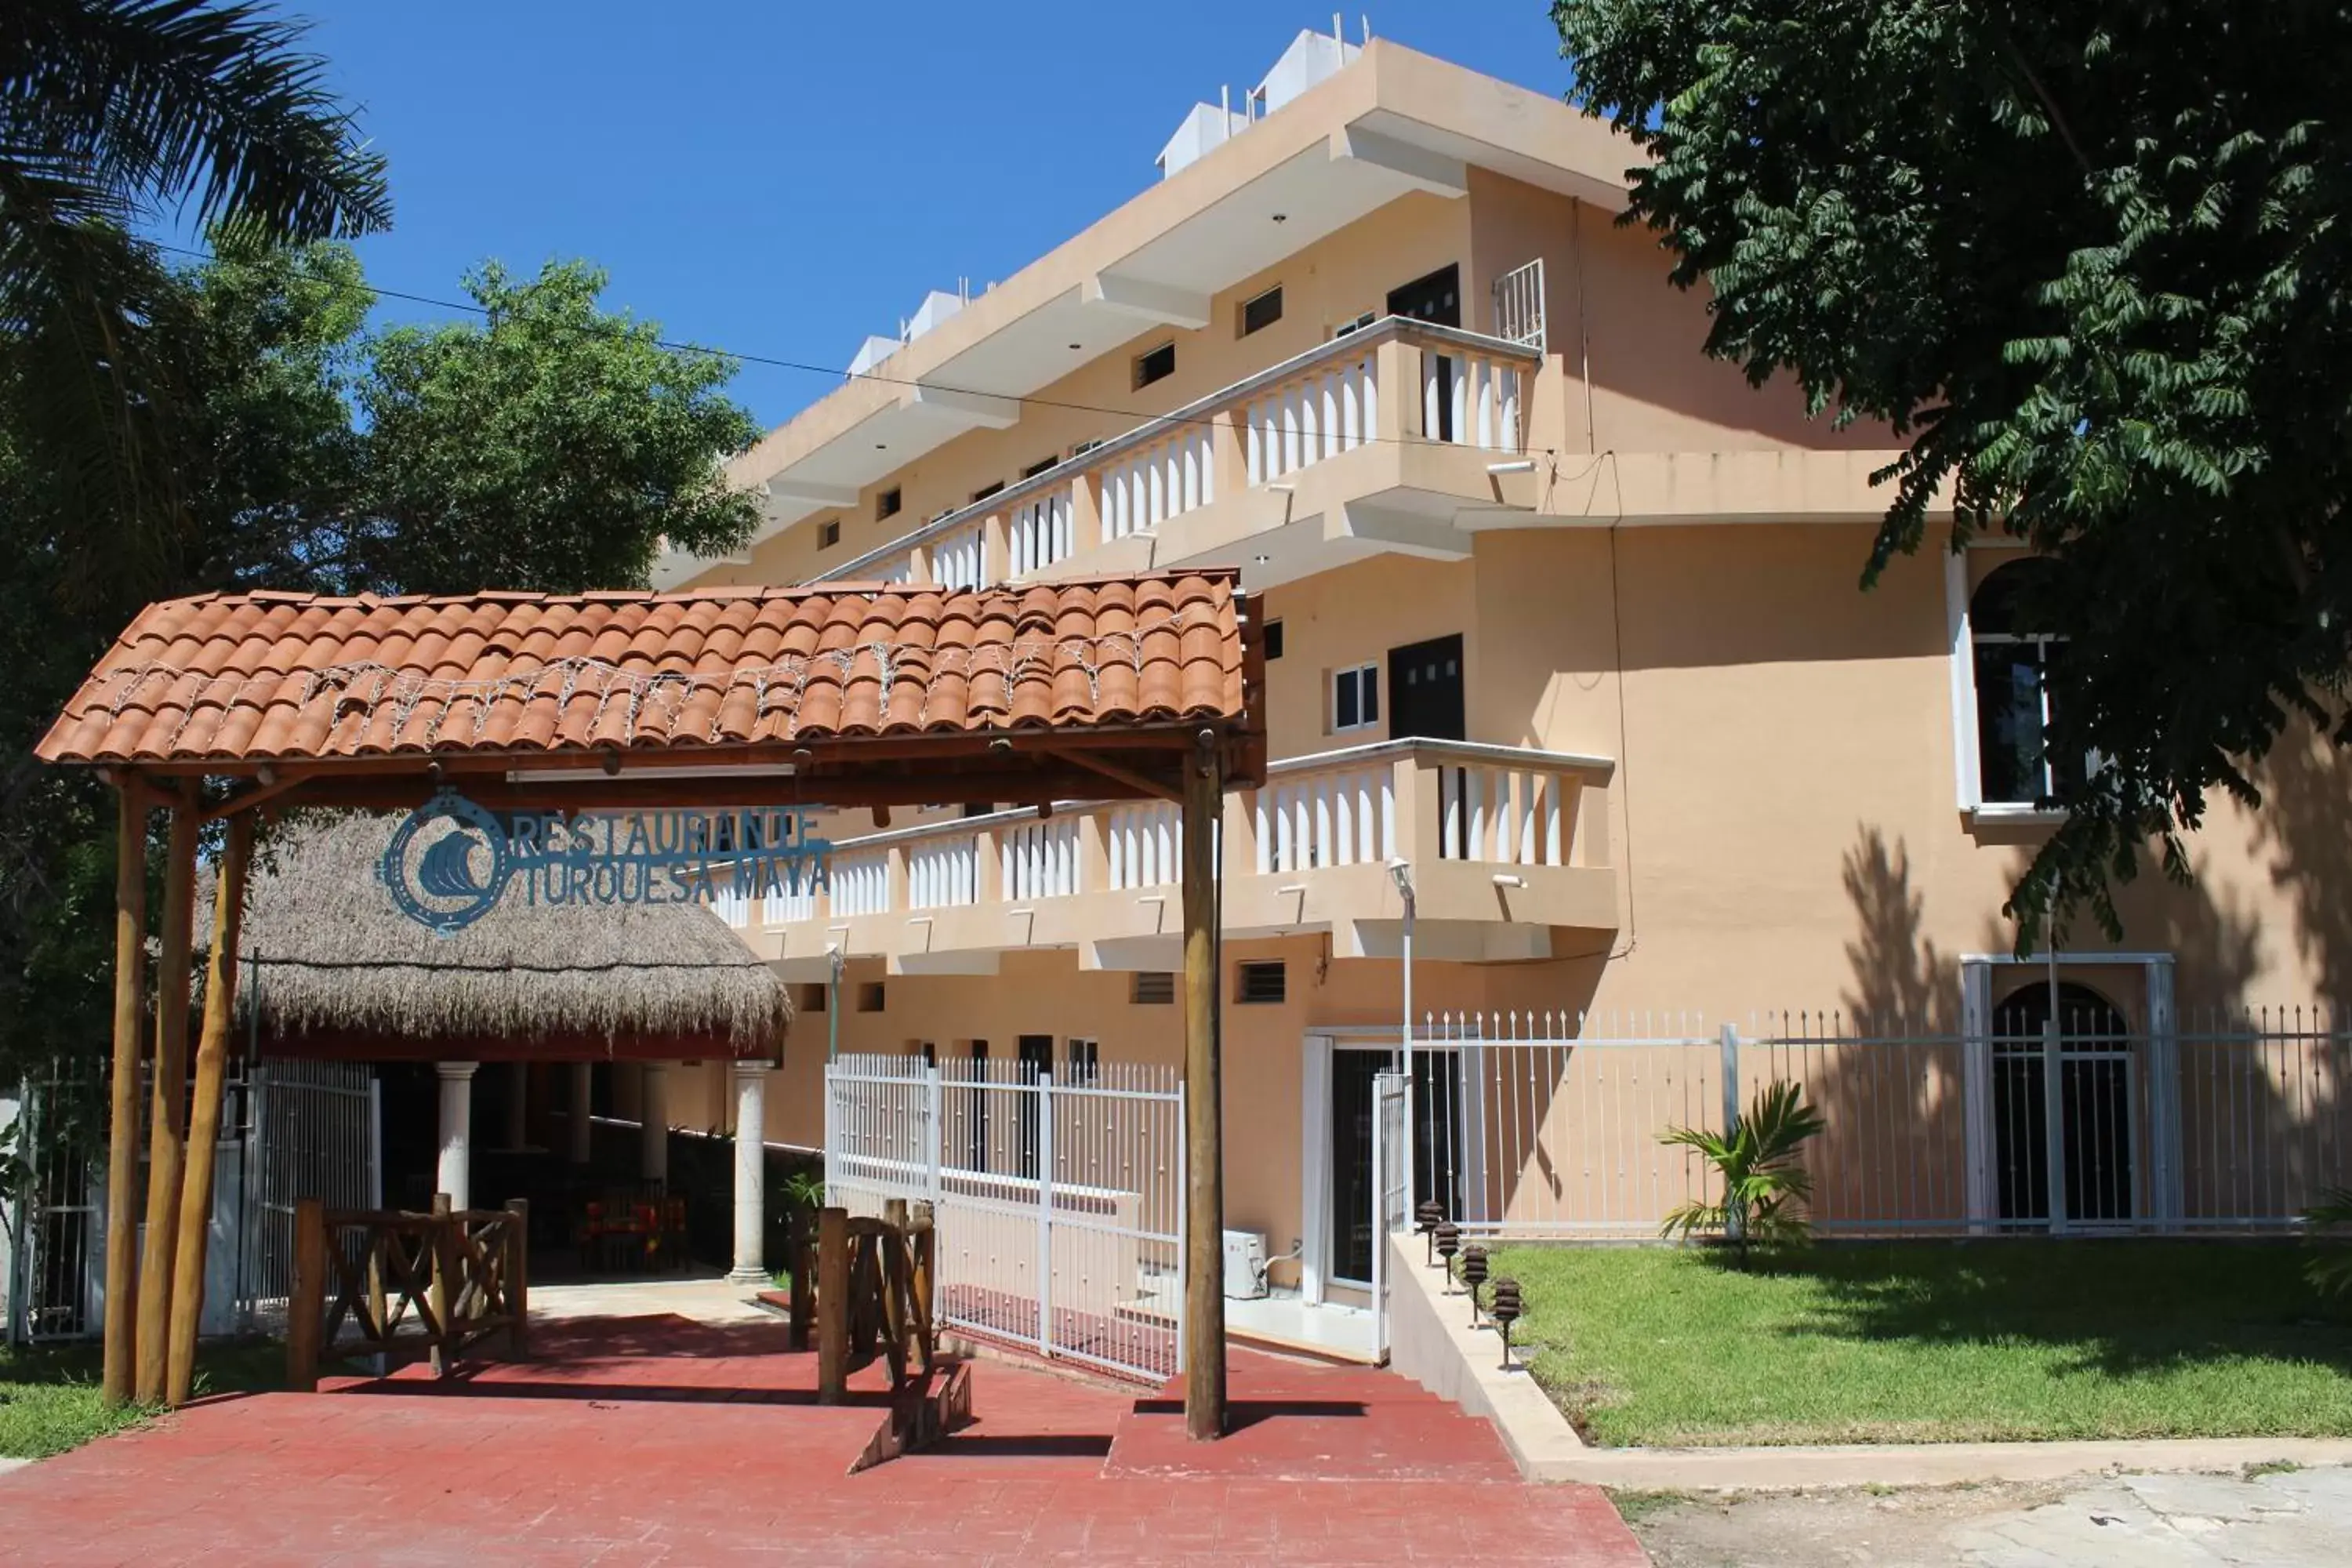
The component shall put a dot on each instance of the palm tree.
(1757, 1162)
(119, 113)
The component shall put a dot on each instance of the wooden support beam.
(832, 1306)
(441, 1295)
(167, 1109)
(243, 803)
(122, 1133)
(205, 1114)
(1204, 1212)
(518, 1279)
(1113, 771)
(306, 1308)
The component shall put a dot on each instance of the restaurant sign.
(452, 861)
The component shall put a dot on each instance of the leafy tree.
(2326, 1225)
(553, 448)
(1758, 1166)
(2089, 262)
(114, 113)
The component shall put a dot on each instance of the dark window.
(828, 533)
(978, 808)
(1082, 1062)
(2016, 657)
(1157, 366)
(869, 996)
(987, 490)
(887, 503)
(1262, 981)
(1273, 639)
(1358, 325)
(1151, 987)
(930, 1054)
(1436, 299)
(1034, 470)
(1081, 448)
(813, 998)
(1263, 311)
(1356, 698)
(1426, 690)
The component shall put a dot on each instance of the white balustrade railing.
(1166, 479)
(1345, 817)
(944, 873)
(1331, 409)
(1041, 533)
(900, 568)
(1145, 845)
(1470, 399)
(861, 883)
(731, 905)
(1509, 816)
(956, 560)
(783, 909)
(1039, 859)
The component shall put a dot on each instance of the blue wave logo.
(447, 863)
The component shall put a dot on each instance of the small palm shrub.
(2329, 1223)
(1763, 1184)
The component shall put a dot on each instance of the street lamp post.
(1402, 871)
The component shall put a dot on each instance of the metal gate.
(1390, 1174)
(58, 1259)
(315, 1130)
(1059, 1204)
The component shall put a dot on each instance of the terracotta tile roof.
(242, 678)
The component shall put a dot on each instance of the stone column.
(751, 1175)
(454, 1174)
(577, 1125)
(519, 1105)
(653, 1115)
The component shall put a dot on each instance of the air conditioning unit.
(1244, 1264)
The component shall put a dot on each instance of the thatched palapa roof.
(341, 972)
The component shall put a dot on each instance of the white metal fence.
(1392, 1190)
(1058, 1201)
(2235, 1122)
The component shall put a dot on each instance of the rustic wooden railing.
(441, 1283)
(873, 1296)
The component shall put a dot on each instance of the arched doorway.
(2098, 1116)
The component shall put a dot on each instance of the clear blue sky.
(785, 177)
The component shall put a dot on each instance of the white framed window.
(2004, 664)
(1356, 697)
(1081, 1062)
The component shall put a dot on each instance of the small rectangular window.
(1081, 448)
(985, 491)
(1260, 982)
(928, 1050)
(1151, 987)
(1034, 470)
(1358, 325)
(869, 996)
(1356, 698)
(1261, 312)
(813, 998)
(1081, 1062)
(828, 533)
(887, 503)
(1273, 639)
(1157, 366)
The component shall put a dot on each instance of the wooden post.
(926, 1261)
(123, 1135)
(167, 1110)
(800, 1258)
(518, 1279)
(1204, 1215)
(203, 1119)
(439, 1295)
(832, 1306)
(306, 1310)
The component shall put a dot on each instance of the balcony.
(1385, 441)
(1508, 848)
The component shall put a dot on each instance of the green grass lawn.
(1933, 1343)
(48, 1395)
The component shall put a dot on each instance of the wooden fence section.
(441, 1283)
(873, 1296)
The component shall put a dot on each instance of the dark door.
(1426, 690)
(1436, 1147)
(1036, 1059)
(2095, 1077)
(1436, 299)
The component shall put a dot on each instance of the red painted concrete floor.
(652, 1440)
